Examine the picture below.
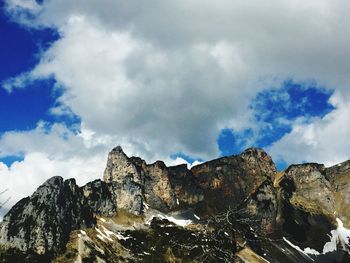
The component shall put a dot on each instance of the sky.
(183, 81)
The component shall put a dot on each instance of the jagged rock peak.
(251, 154)
(118, 149)
(55, 180)
(305, 168)
(119, 166)
(254, 151)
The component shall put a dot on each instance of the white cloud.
(138, 91)
(48, 151)
(323, 140)
(161, 77)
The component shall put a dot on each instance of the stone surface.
(128, 195)
(228, 181)
(119, 166)
(306, 205)
(42, 223)
(100, 197)
(239, 197)
(312, 191)
(339, 177)
(153, 179)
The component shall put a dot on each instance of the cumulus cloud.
(161, 77)
(324, 140)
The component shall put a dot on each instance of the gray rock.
(42, 223)
(100, 197)
(119, 166)
(312, 191)
(128, 195)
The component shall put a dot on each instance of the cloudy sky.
(181, 80)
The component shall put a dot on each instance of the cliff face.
(43, 222)
(339, 177)
(224, 208)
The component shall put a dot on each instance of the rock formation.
(43, 222)
(231, 208)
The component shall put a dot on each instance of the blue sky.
(19, 52)
(178, 84)
(274, 112)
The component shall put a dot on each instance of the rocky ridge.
(235, 208)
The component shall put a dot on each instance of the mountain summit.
(232, 209)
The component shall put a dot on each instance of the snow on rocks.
(179, 222)
(197, 217)
(339, 236)
(306, 251)
(106, 234)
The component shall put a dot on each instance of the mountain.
(232, 209)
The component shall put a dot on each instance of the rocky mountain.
(232, 209)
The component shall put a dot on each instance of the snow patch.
(146, 206)
(307, 251)
(117, 235)
(102, 235)
(179, 222)
(339, 236)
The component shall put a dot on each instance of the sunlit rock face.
(119, 166)
(232, 179)
(312, 191)
(339, 177)
(209, 187)
(307, 205)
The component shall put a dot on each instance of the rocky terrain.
(232, 209)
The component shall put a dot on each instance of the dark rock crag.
(43, 222)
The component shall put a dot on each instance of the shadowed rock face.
(43, 222)
(307, 205)
(101, 197)
(313, 192)
(339, 177)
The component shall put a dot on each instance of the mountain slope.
(234, 208)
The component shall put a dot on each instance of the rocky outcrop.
(42, 223)
(262, 208)
(233, 179)
(101, 198)
(164, 188)
(339, 177)
(153, 179)
(185, 186)
(119, 166)
(309, 188)
(236, 198)
(129, 195)
(307, 205)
